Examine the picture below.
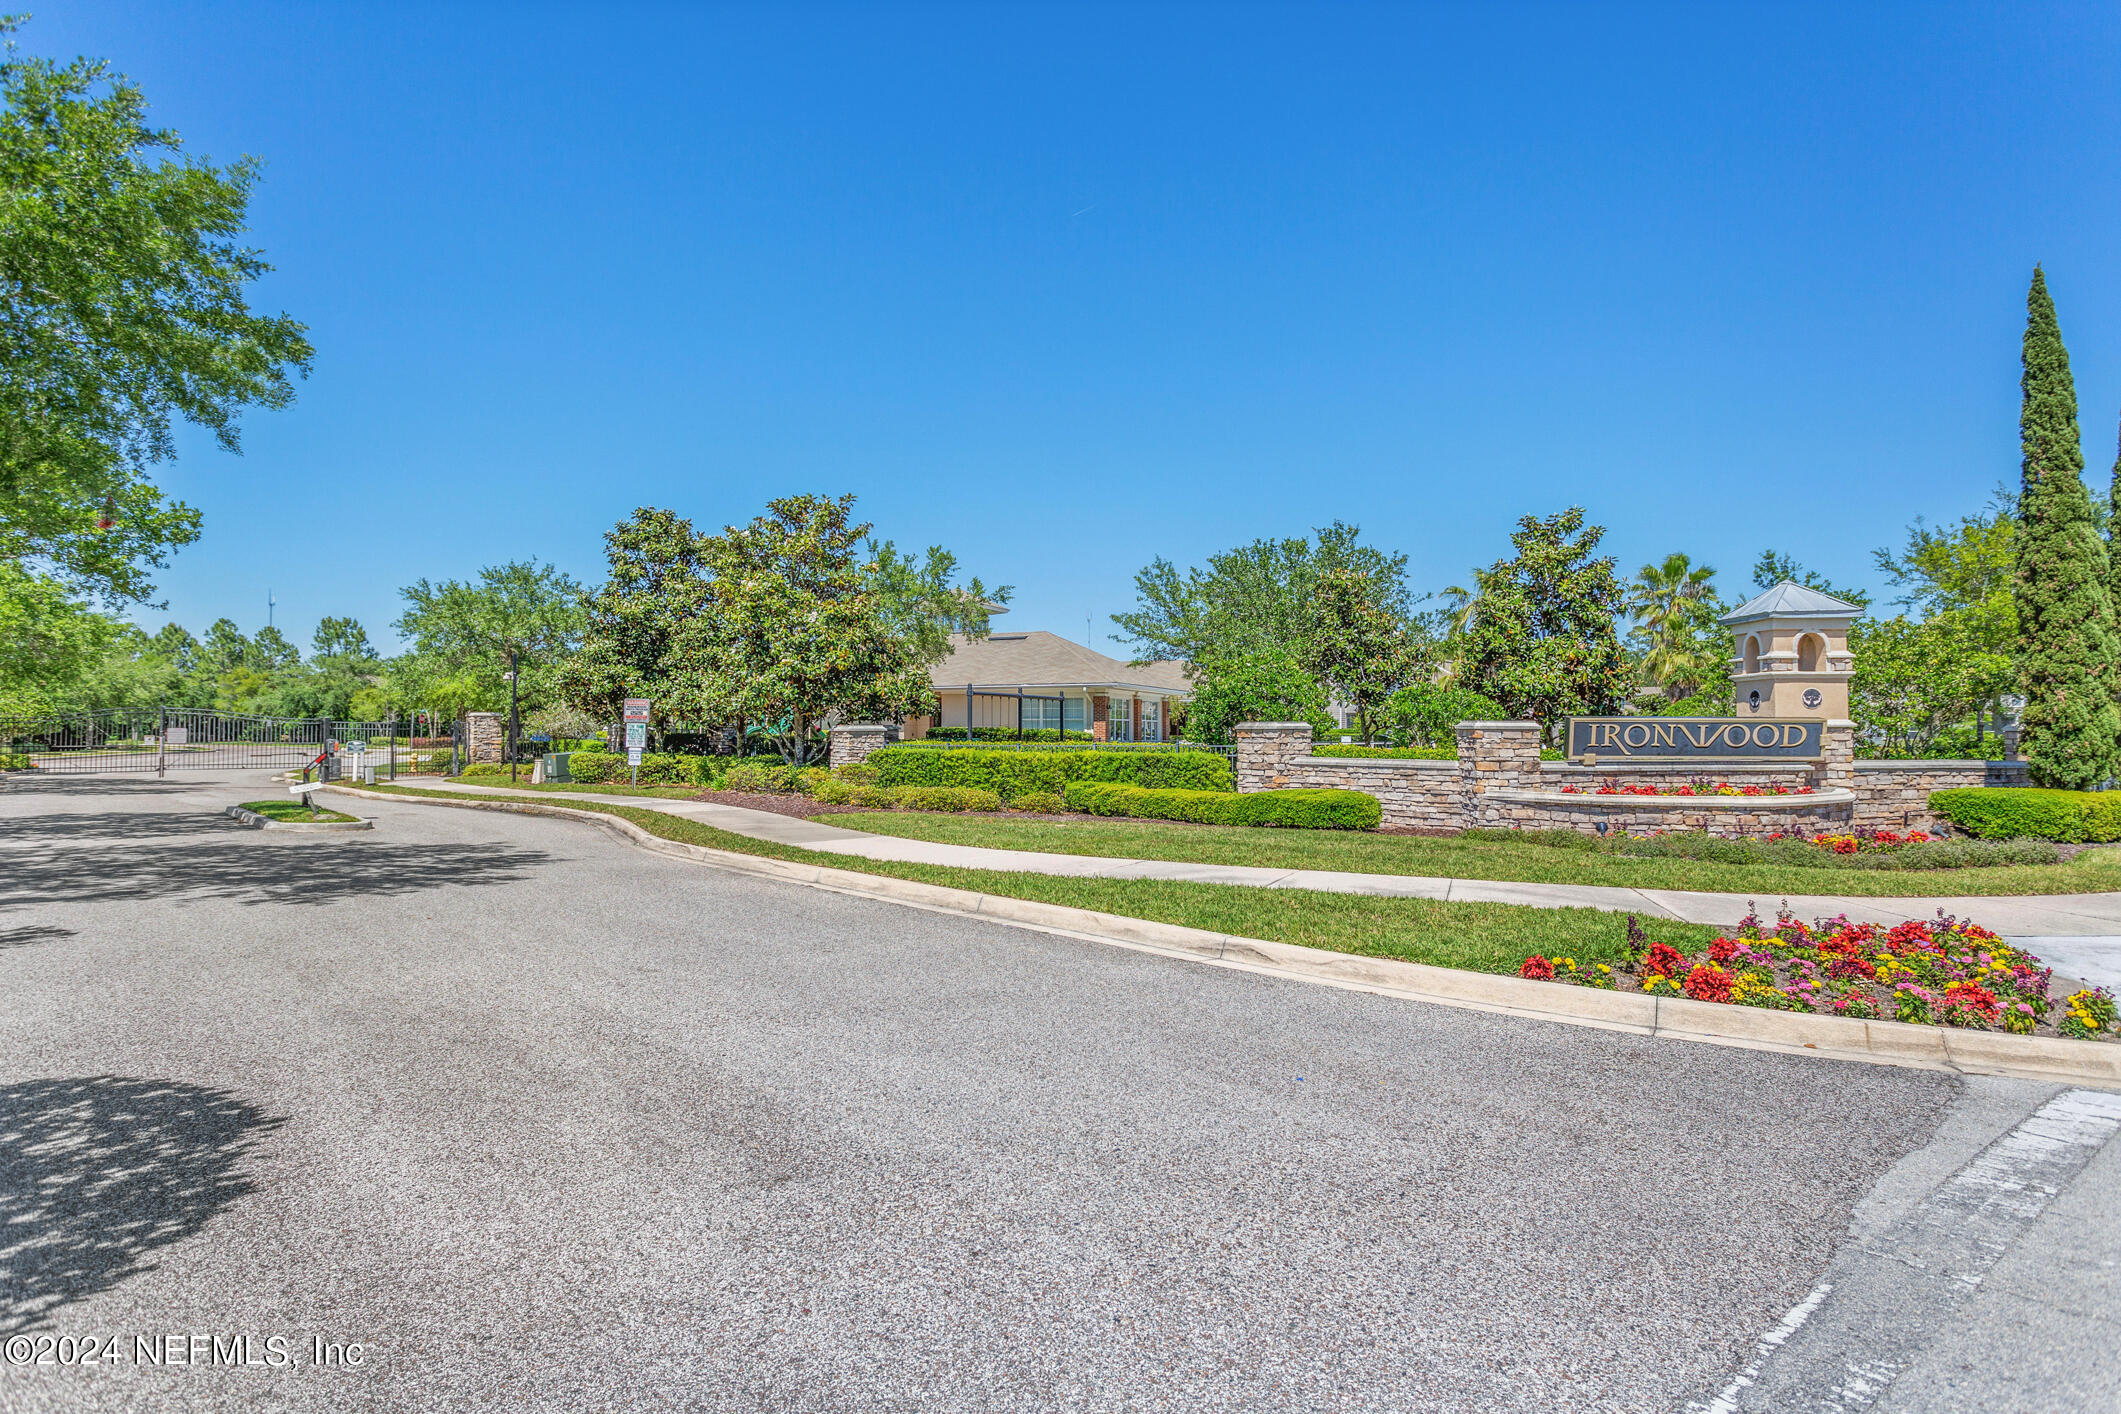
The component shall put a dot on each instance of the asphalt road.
(542, 1122)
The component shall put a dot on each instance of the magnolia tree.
(637, 640)
(1357, 645)
(798, 630)
(1542, 641)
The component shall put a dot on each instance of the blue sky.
(1065, 289)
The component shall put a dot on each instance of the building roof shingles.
(1040, 659)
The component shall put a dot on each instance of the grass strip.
(2094, 871)
(294, 812)
(1480, 937)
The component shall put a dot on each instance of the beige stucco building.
(1040, 680)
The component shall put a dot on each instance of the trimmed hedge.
(1284, 809)
(2031, 813)
(1388, 753)
(1004, 734)
(13, 761)
(1200, 807)
(1013, 773)
(772, 777)
(1412, 753)
(1040, 802)
(658, 768)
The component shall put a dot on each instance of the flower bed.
(1943, 973)
(1691, 789)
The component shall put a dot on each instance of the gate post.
(162, 744)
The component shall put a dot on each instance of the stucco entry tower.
(1791, 654)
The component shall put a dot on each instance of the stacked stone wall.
(1895, 795)
(1499, 782)
(851, 744)
(1417, 795)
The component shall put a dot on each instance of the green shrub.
(832, 792)
(1314, 809)
(808, 778)
(877, 797)
(951, 798)
(1389, 753)
(759, 778)
(1010, 774)
(1292, 809)
(1039, 802)
(2028, 812)
(859, 773)
(595, 767)
(14, 761)
(1201, 807)
(1428, 715)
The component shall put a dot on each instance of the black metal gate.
(181, 739)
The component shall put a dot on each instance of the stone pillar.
(1264, 750)
(1495, 756)
(485, 737)
(2010, 742)
(853, 743)
(1837, 757)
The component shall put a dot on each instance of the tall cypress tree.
(2068, 666)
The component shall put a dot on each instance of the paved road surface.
(543, 1122)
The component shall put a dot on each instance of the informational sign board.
(633, 757)
(178, 736)
(636, 710)
(1693, 739)
(636, 736)
(357, 747)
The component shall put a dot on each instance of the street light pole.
(513, 726)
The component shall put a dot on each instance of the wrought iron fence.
(187, 739)
(929, 745)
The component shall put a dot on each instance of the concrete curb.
(1677, 1018)
(308, 827)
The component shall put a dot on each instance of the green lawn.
(1482, 937)
(295, 811)
(2094, 871)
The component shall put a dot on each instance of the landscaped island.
(1949, 972)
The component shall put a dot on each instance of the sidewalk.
(2087, 919)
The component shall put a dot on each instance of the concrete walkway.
(2088, 919)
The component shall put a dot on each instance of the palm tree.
(1670, 601)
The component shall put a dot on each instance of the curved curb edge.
(306, 827)
(1675, 1018)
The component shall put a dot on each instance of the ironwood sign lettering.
(1693, 738)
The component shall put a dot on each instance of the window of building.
(1152, 721)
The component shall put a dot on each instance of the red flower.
(1914, 932)
(1537, 968)
(1708, 983)
(1723, 949)
(1973, 1002)
(1662, 960)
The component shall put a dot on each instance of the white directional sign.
(633, 757)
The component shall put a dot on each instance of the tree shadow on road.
(97, 1174)
(28, 783)
(129, 825)
(34, 933)
(250, 870)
